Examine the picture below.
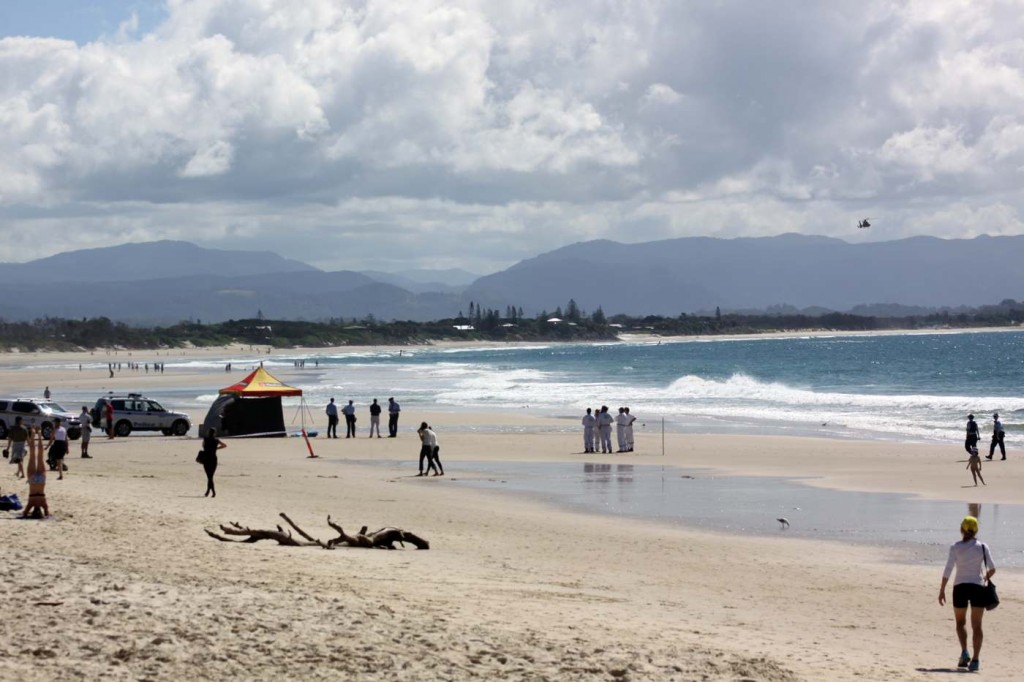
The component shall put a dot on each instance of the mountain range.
(167, 281)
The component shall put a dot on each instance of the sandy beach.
(123, 582)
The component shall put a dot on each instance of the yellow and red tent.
(261, 384)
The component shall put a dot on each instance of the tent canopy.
(261, 384)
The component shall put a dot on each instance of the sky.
(398, 134)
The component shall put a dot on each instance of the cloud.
(489, 131)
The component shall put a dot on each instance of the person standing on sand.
(629, 430)
(393, 411)
(604, 429)
(970, 558)
(997, 437)
(974, 464)
(86, 421)
(589, 422)
(58, 447)
(350, 420)
(332, 419)
(17, 438)
(46, 393)
(428, 445)
(374, 418)
(620, 429)
(971, 442)
(108, 411)
(211, 444)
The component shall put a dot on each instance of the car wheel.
(179, 428)
(123, 428)
(46, 429)
(74, 433)
(3, 430)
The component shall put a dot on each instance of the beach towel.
(10, 502)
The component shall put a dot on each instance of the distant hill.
(165, 282)
(419, 281)
(700, 273)
(147, 260)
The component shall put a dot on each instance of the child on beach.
(974, 464)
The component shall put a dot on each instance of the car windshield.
(154, 406)
(52, 407)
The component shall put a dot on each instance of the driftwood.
(385, 538)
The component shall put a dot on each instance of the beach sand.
(123, 582)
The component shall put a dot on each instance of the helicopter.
(863, 224)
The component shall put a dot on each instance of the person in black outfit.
(374, 418)
(971, 443)
(211, 444)
(997, 437)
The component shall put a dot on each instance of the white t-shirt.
(969, 558)
(60, 433)
(429, 438)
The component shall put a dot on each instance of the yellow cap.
(969, 524)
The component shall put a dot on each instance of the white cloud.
(515, 127)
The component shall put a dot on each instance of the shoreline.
(515, 587)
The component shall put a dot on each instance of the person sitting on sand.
(971, 559)
(36, 506)
(974, 464)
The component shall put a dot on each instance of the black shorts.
(968, 593)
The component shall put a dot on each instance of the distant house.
(463, 327)
(617, 326)
(554, 320)
(508, 324)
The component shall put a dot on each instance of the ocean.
(906, 387)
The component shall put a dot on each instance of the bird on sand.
(783, 522)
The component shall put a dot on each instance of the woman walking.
(211, 444)
(971, 559)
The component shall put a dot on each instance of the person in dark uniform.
(971, 442)
(997, 437)
(393, 410)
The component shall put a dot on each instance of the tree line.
(568, 323)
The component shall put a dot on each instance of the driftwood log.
(385, 538)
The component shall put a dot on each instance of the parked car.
(37, 412)
(136, 412)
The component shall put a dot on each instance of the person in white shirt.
(629, 430)
(620, 429)
(974, 568)
(58, 448)
(429, 451)
(604, 429)
(350, 420)
(86, 419)
(589, 421)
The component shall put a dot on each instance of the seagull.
(783, 522)
(863, 224)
